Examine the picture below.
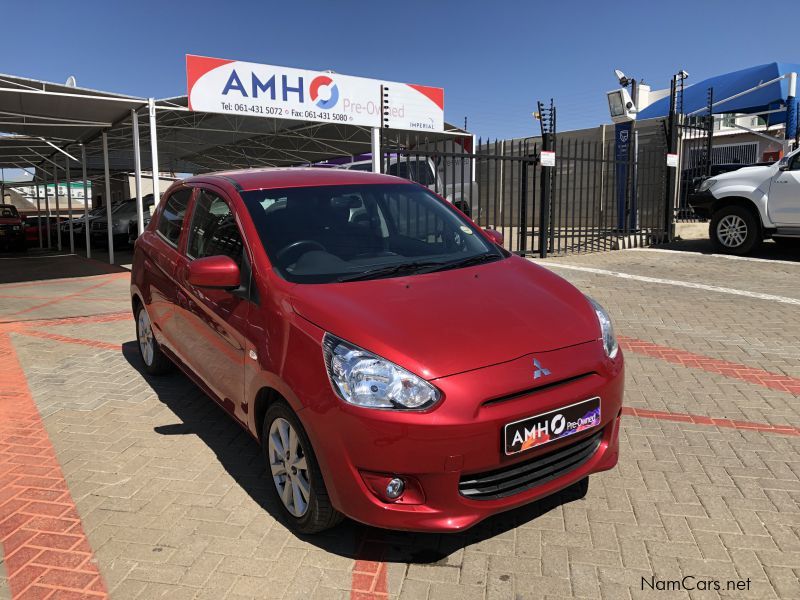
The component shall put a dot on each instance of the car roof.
(279, 177)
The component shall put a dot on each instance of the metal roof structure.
(58, 132)
(763, 89)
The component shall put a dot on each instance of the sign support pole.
(791, 110)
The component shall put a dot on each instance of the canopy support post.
(39, 215)
(376, 150)
(108, 200)
(58, 209)
(47, 212)
(69, 207)
(137, 159)
(151, 107)
(85, 203)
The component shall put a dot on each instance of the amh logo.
(323, 81)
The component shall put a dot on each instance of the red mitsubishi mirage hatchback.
(396, 364)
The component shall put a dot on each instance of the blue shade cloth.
(695, 97)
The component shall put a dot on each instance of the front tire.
(297, 484)
(155, 362)
(734, 230)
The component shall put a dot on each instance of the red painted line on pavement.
(369, 579)
(660, 415)
(69, 340)
(76, 320)
(773, 381)
(39, 282)
(62, 298)
(46, 552)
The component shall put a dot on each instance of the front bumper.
(8, 235)
(461, 438)
(702, 203)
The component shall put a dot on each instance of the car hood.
(753, 175)
(10, 221)
(440, 324)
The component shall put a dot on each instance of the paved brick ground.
(171, 494)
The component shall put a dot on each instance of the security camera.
(621, 106)
(683, 74)
(623, 81)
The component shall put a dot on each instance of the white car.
(752, 204)
(423, 171)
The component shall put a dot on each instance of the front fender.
(756, 196)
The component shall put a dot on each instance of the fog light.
(395, 488)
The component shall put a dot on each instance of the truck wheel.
(734, 230)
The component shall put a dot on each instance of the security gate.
(696, 151)
(592, 202)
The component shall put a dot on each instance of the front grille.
(519, 477)
(537, 389)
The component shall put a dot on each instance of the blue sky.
(494, 59)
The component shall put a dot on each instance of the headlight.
(364, 379)
(609, 339)
(706, 185)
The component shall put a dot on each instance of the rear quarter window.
(170, 222)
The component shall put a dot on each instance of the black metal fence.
(593, 201)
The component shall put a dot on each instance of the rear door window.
(170, 223)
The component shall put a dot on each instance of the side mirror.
(214, 272)
(495, 236)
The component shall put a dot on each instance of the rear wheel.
(298, 486)
(155, 362)
(734, 230)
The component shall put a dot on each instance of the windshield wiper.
(471, 261)
(388, 270)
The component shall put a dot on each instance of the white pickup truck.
(752, 204)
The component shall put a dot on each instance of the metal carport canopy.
(756, 90)
(44, 125)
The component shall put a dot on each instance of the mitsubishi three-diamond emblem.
(539, 370)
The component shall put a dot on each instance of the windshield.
(338, 233)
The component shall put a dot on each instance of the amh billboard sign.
(244, 88)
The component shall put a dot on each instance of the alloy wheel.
(146, 341)
(287, 461)
(732, 231)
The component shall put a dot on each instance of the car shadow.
(769, 249)
(36, 265)
(241, 457)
